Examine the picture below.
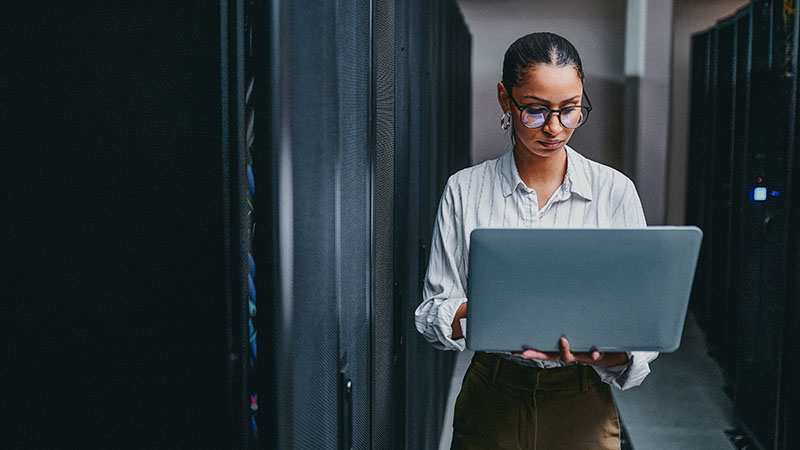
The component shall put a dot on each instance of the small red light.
(760, 179)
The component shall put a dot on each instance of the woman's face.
(554, 87)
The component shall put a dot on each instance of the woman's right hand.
(461, 313)
(592, 358)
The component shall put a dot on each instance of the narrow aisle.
(681, 404)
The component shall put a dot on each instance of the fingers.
(593, 357)
(563, 354)
(563, 350)
(536, 354)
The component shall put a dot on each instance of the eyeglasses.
(537, 116)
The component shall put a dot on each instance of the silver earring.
(505, 121)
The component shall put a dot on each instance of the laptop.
(607, 289)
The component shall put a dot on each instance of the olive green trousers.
(504, 405)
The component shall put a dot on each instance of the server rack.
(156, 153)
(124, 149)
(708, 312)
(349, 254)
(420, 413)
(789, 426)
(747, 271)
(740, 190)
(320, 166)
(699, 142)
(766, 221)
(789, 416)
(722, 309)
(437, 145)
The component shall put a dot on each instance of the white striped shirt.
(492, 194)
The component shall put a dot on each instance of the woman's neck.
(536, 170)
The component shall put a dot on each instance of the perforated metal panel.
(382, 303)
(436, 61)
(320, 129)
(312, 343)
(354, 185)
(336, 146)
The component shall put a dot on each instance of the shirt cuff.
(444, 329)
(630, 374)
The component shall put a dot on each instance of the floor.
(680, 405)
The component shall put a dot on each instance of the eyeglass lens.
(571, 117)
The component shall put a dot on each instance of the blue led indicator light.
(252, 181)
(760, 194)
(774, 193)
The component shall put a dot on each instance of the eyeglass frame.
(551, 111)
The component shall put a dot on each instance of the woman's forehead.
(551, 82)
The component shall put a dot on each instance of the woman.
(531, 399)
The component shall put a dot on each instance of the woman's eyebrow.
(571, 99)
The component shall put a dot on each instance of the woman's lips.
(550, 144)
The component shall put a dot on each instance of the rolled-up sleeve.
(628, 375)
(444, 288)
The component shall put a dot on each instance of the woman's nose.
(553, 125)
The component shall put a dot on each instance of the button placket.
(533, 207)
(560, 195)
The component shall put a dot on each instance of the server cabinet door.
(722, 307)
(697, 181)
(739, 190)
(765, 221)
(112, 138)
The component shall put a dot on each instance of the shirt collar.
(575, 180)
(577, 175)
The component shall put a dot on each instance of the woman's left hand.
(593, 358)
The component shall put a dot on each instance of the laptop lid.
(609, 289)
